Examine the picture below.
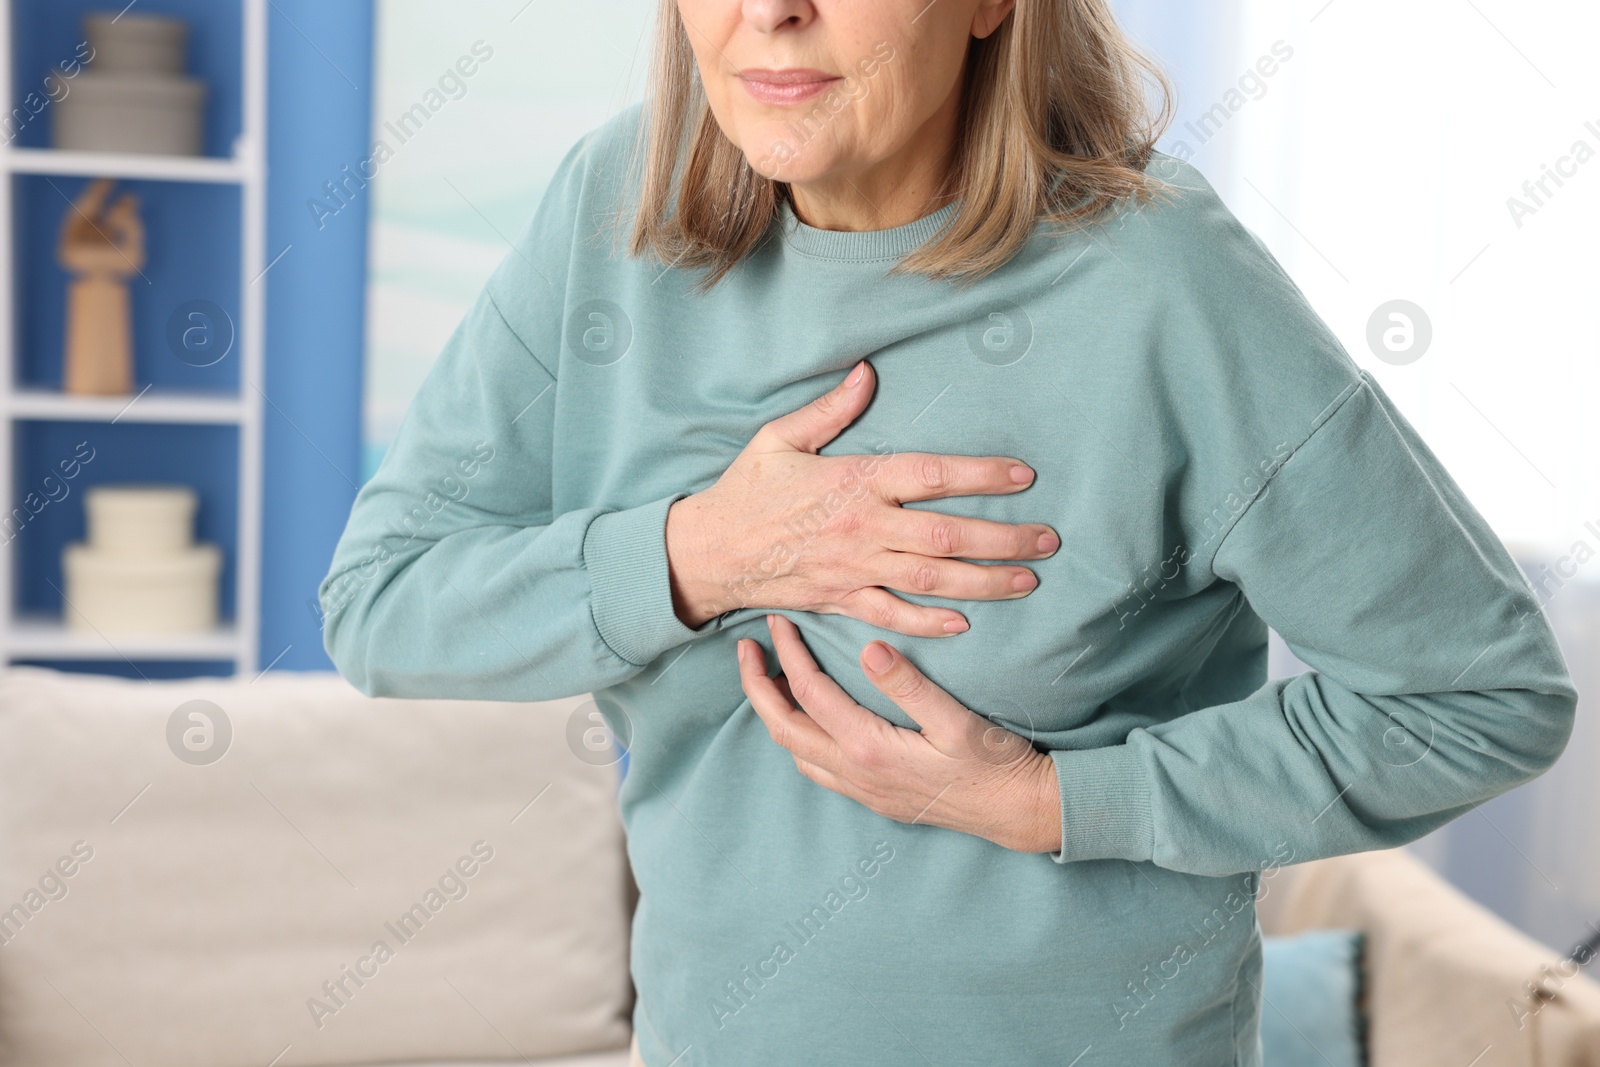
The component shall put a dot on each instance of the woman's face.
(817, 91)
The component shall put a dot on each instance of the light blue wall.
(319, 108)
(1194, 42)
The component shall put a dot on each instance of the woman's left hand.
(962, 772)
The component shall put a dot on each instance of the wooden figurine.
(103, 247)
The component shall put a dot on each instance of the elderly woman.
(925, 376)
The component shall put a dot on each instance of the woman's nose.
(766, 16)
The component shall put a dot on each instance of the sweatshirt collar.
(862, 245)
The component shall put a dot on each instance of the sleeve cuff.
(625, 554)
(1105, 805)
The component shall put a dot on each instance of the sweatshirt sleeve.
(1437, 682)
(455, 575)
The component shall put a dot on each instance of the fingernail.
(877, 657)
(1021, 475)
(857, 374)
(1049, 542)
(770, 620)
(1024, 582)
(740, 646)
(956, 626)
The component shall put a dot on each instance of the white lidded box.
(140, 570)
(137, 43)
(127, 595)
(146, 116)
(134, 96)
(140, 520)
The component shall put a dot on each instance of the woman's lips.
(783, 87)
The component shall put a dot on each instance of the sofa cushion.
(1311, 989)
(351, 881)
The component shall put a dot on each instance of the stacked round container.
(135, 95)
(141, 571)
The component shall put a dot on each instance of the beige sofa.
(165, 908)
(207, 884)
(1447, 983)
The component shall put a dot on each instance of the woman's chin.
(782, 163)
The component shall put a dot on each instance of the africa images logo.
(1001, 336)
(599, 332)
(1399, 332)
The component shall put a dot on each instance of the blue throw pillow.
(1311, 1000)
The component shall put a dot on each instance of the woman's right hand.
(785, 528)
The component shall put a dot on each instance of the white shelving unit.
(103, 164)
(26, 637)
(153, 405)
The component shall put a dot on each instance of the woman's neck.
(907, 185)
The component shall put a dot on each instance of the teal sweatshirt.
(1214, 462)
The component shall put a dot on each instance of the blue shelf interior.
(204, 457)
(192, 253)
(48, 33)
